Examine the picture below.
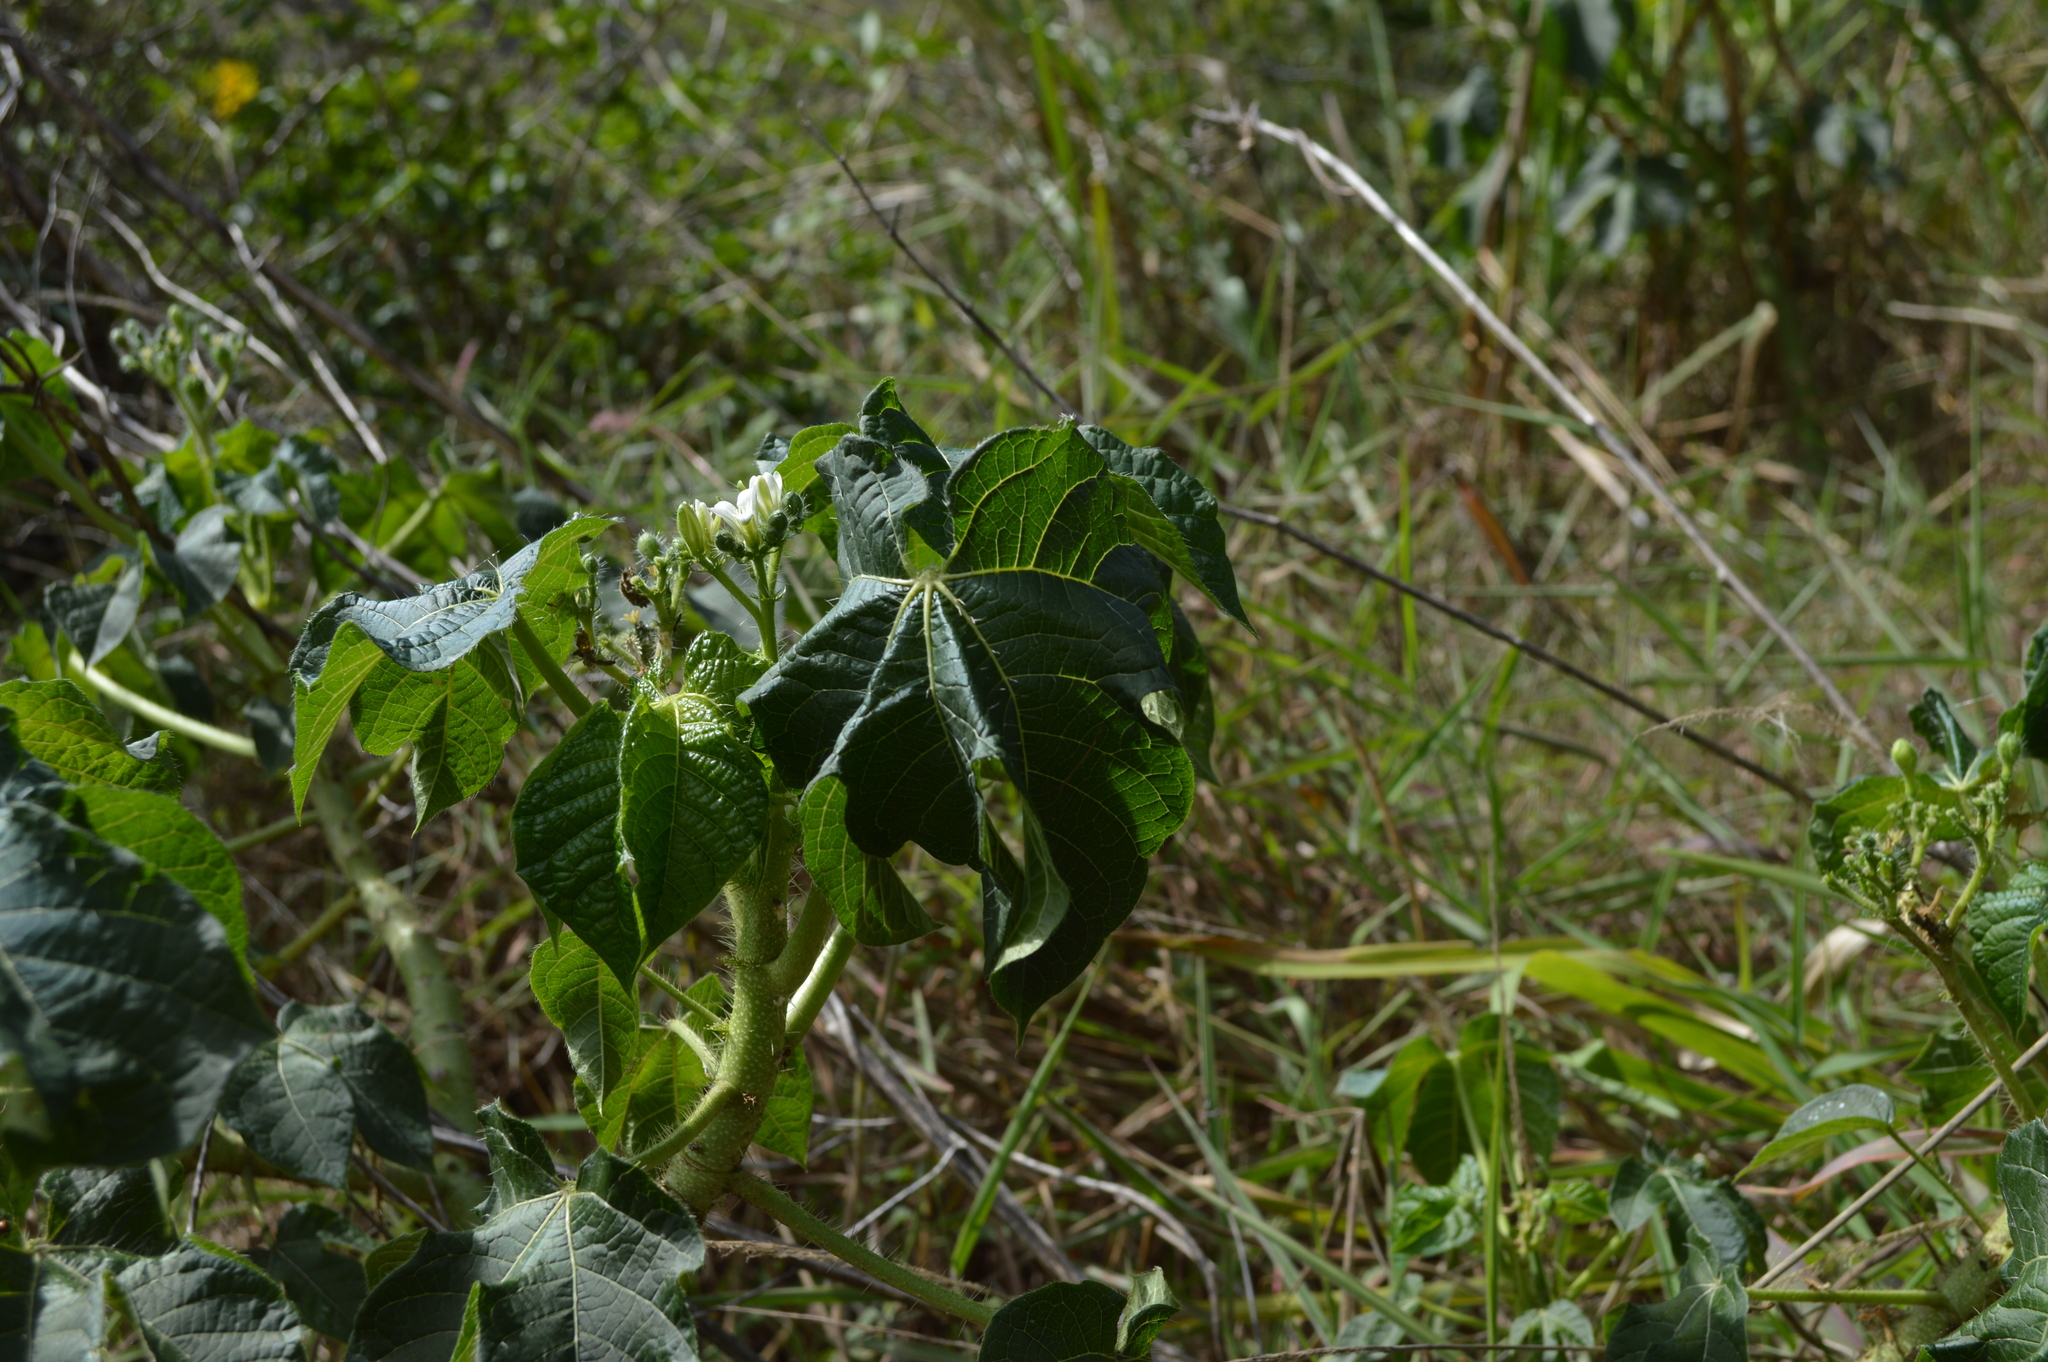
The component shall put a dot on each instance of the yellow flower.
(234, 84)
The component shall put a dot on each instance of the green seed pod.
(1905, 757)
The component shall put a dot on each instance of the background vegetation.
(587, 255)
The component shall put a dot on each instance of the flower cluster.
(758, 520)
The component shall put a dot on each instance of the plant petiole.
(767, 1197)
(204, 734)
(715, 1099)
(565, 688)
(1874, 1297)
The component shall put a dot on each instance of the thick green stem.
(1934, 1298)
(752, 1055)
(1993, 1037)
(440, 1036)
(809, 998)
(769, 1198)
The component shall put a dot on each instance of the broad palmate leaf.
(1007, 659)
(121, 999)
(1694, 1205)
(352, 639)
(331, 1071)
(2015, 1328)
(585, 1271)
(1704, 1322)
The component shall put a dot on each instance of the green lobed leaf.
(97, 609)
(565, 837)
(318, 1260)
(587, 1271)
(1704, 1322)
(2015, 1327)
(331, 1072)
(62, 728)
(121, 996)
(1537, 1089)
(693, 806)
(343, 642)
(1190, 508)
(1393, 1101)
(1841, 1112)
(171, 839)
(458, 720)
(203, 1303)
(202, 562)
(1938, 726)
(1657, 1182)
(599, 1019)
(1561, 1323)
(867, 895)
(2002, 926)
(1870, 805)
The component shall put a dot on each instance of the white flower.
(758, 503)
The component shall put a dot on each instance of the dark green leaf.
(203, 563)
(271, 729)
(383, 1080)
(2002, 928)
(1472, 110)
(345, 639)
(2029, 718)
(319, 1263)
(1950, 1070)
(1431, 1220)
(114, 1209)
(867, 895)
(2015, 1328)
(1188, 506)
(565, 833)
(169, 838)
(1939, 727)
(63, 729)
(97, 611)
(890, 510)
(299, 1100)
(1693, 1204)
(1841, 1112)
(1577, 1202)
(1704, 1322)
(121, 993)
(205, 1304)
(1436, 1132)
(388, 1257)
(1872, 804)
(1393, 1101)
(1371, 1329)
(582, 1272)
(1537, 1091)
(1057, 1322)
(599, 1019)
(693, 807)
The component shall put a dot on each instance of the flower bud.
(696, 530)
(1905, 757)
(2010, 749)
(649, 546)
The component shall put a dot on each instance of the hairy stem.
(566, 690)
(814, 922)
(771, 1199)
(1993, 1037)
(439, 1033)
(699, 1166)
